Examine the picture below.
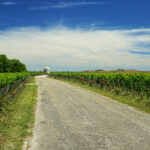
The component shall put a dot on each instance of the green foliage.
(10, 78)
(10, 84)
(4, 63)
(17, 66)
(14, 65)
(127, 82)
(18, 121)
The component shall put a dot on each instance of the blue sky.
(77, 34)
(76, 13)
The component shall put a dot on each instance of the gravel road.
(72, 118)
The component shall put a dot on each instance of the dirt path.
(72, 118)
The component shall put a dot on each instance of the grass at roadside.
(18, 121)
(32, 80)
(130, 100)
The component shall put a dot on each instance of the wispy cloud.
(8, 3)
(67, 5)
(62, 46)
(74, 4)
(39, 7)
(59, 5)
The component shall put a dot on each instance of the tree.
(17, 66)
(14, 65)
(4, 64)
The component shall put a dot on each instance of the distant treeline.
(11, 65)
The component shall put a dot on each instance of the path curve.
(72, 118)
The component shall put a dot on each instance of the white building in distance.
(46, 70)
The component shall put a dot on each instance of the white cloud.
(43, 7)
(8, 3)
(74, 4)
(76, 47)
(67, 5)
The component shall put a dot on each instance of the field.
(10, 78)
(11, 84)
(135, 84)
(17, 122)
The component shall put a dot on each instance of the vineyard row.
(126, 83)
(11, 84)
